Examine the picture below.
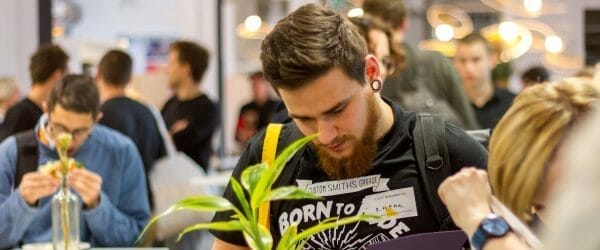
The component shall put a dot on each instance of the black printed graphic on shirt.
(392, 205)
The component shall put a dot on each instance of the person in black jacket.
(121, 113)
(47, 65)
(191, 116)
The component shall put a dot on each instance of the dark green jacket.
(436, 73)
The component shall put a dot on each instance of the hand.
(36, 185)
(178, 126)
(87, 184)
(467, 196)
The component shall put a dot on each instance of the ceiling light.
(553, 44)
(444, 32)
(356, 12)
(253, 23)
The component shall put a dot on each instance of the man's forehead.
(68, 117)
(471, 48)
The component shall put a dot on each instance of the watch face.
(495, 226)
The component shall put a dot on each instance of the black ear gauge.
(376, 85)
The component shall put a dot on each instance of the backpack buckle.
(435, 162)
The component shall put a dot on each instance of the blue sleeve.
(15, 214)
(120, 224)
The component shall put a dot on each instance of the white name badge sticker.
(395, 204)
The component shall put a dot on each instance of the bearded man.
(363, 159)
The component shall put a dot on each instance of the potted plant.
(252, 190)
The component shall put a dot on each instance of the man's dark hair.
(45, 61)
(256, 75)
(537, 74)
(75, 93)
(308, 43)
(473, 38)
(365, 25)
(392, 12)
(193, 55)
(115, 68)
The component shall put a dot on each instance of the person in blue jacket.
(111, 188)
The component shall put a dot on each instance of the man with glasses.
(111, 186)
(427, 82)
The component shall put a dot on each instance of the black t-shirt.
(262, 112)
(24, 115)
(203, 118)
(391, 187)
(135, 121)
(490, 114)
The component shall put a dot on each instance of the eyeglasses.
(56, 129)
(387, 63)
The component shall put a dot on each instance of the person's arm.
(119, 224)
(467, 196)
(222, 245)
(15, 214)
(199, 128)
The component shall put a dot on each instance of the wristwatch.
(492, 226)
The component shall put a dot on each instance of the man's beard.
(363, 152)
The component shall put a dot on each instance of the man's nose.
(327, 132)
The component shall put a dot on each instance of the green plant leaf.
(265, 237)
(332, 224)
(273, 171)
(260, 240)
(251, 175)
(232, 225)
(300, 244)
(203, 203)
(286, 242)
(291, 193)
(241, 196)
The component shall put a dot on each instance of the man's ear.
(99, 116)
(372, 70)
(57, 75)
(494, 59)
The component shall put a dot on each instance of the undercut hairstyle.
(310, 42)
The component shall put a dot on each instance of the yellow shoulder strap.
(268, 156)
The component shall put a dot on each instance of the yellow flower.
(64, 141)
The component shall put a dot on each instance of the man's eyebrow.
(331, 110)
(339, 105)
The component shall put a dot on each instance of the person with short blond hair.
(9, 95)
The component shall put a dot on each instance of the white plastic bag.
(172, 179)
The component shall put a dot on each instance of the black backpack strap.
(433, 161)
(27, 155)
